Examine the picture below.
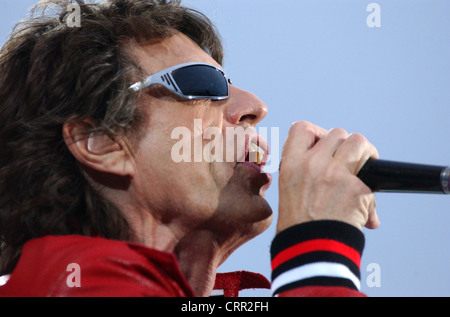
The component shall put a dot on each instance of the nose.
(244, 107)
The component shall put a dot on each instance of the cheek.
(175, 157)
(221, 174)
(193, 188)
(198, 182)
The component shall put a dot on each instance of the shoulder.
(86, 266)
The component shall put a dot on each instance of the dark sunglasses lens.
(201, 81)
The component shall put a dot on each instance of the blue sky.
(317, 60)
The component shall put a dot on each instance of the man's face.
(222, 195)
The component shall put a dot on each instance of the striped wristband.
(317, 253)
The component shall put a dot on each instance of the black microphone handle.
(399, 177)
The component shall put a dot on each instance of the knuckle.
(339, 132)
(301, 126)
(357, 140)
(301, 129)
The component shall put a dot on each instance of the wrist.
(317, 253)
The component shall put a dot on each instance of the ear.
(97, 150)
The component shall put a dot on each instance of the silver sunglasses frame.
(166, 79)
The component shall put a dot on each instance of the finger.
(328, 145)
(354, 152)
(373, 221)
(302, 137)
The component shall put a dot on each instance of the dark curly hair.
(52, 73)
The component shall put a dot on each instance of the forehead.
(158, 55)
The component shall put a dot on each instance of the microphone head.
(445, 180)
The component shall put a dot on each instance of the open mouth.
(256, 157)
(256, 152)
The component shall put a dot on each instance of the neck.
(198, 251)
(199, 255)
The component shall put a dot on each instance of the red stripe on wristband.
(316, 245)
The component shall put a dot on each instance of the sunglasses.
(190, 81)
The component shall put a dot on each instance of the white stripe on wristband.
(318, 269)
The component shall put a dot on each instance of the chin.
(261, 226)
(266, 215)
(256, 215)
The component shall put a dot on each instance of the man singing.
(87, 174)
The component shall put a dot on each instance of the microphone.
(399, 177)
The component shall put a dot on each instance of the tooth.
(256, 154)
(253, 147)
(259, 156)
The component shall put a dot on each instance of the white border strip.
(326, 269)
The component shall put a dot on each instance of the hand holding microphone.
(317, 177)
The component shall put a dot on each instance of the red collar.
(231, 283)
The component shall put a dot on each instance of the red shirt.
(106, 268)
(320, 258)
(72, 266)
